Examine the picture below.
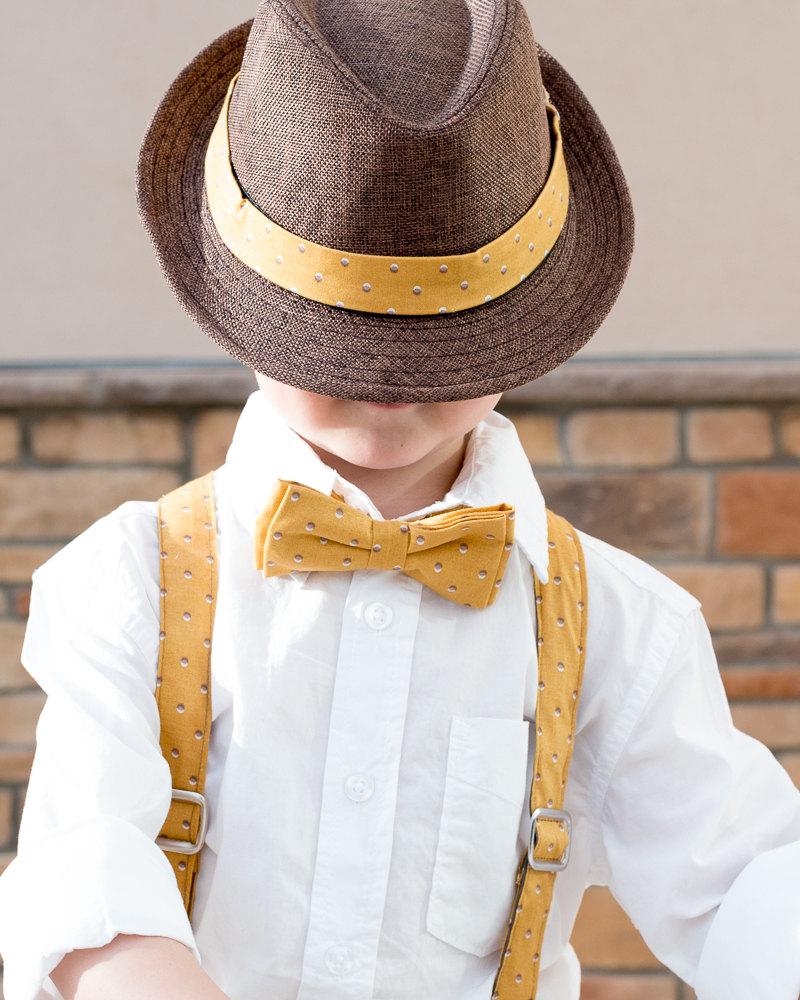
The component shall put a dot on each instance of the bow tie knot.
(389, 544)
(460, 553)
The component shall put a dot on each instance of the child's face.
(375, 435)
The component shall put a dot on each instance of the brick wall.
(695, 468)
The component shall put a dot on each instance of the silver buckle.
(549, 866)
(187, 846)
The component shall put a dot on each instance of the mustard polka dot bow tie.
(460, 553)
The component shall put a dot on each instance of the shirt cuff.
(79, 887)
(752, 951)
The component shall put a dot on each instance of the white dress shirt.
(370, 763)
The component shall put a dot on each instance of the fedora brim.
(491, 348)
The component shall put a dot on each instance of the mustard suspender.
(187, 540)
(561, 616)
(187, 532)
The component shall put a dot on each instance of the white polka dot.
(367, 286)
(443, 268)
(394, 268)
(442, 309)
(345, 262)
(302, 247)
(464, 285)
(278, 259)
(318, 276)
(391, 311)
(486, 258)
(416, 290)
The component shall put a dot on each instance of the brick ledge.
(583, 383)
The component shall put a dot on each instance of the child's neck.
(397, 491)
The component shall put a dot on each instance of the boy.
(392, 214)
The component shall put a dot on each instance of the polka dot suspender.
(188, 572)
(187, 534)
(561, 616)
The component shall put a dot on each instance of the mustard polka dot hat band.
(374, 205)
(391, 284)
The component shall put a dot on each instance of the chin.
(376, 452)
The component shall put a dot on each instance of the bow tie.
(460, 553)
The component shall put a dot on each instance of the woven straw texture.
(393, 128)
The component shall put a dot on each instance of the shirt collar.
(495, 470)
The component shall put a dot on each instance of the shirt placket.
(359, 795)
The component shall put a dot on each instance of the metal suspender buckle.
(549, 866)
(187, 846)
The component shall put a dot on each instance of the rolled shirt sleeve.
(700, 834)
(87, 866)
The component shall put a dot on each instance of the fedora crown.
(402, 127)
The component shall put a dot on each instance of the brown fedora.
(293, 207)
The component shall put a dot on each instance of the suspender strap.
(561, 617)
(188, 572)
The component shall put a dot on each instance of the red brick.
(538, 434)
(37, 503)
(17, 562)
(604, 936)
(791, 761)
(21, 602)
(790, 431)
(595, 986)
(758, 512)
(647, 513)
(15, 765)
(12, 673)
(729, 434)
(211, 436)
(772, 646)
(786, 594)
(776, 725)
(7, 831)
(624, 437)
(761, 682)
(19, 714)
(9, 438)
(108, 437)
(732, 596)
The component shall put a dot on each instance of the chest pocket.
(477, 852)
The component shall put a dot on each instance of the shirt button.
(338, 959)
(359, 787)
(378, 615)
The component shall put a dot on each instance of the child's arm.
(131, 967)
(87, 866)
(699, 829)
